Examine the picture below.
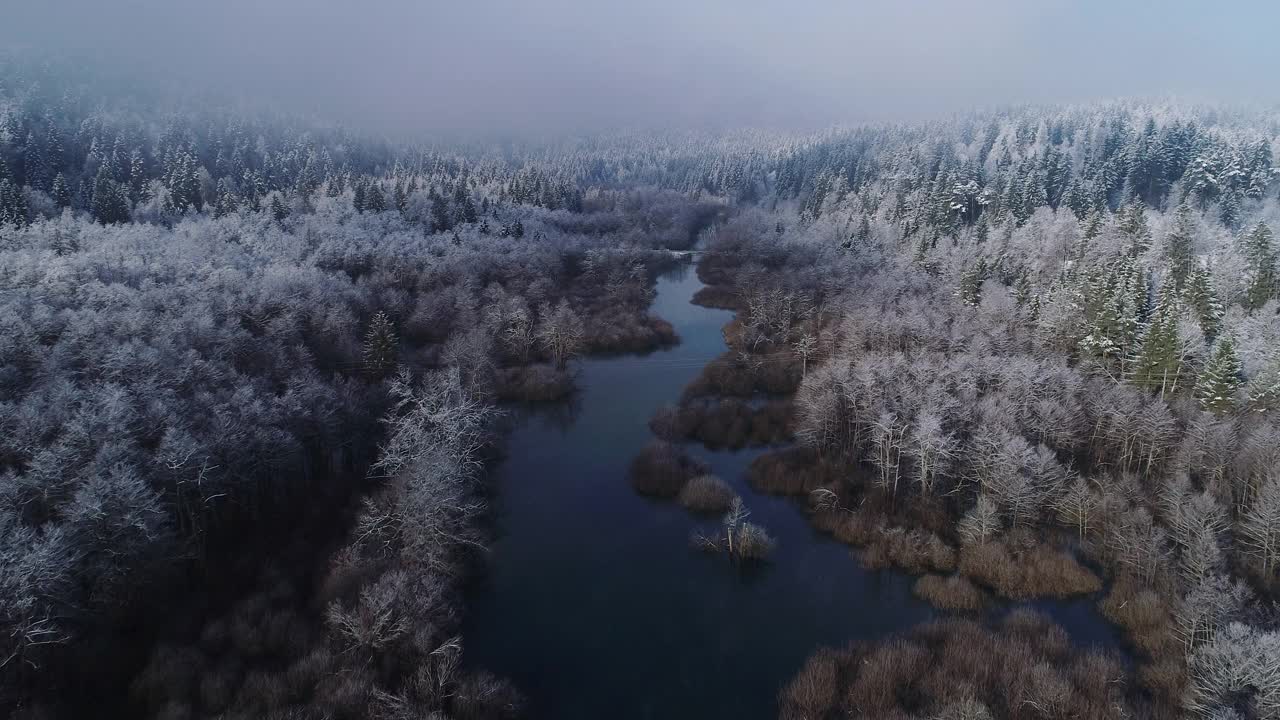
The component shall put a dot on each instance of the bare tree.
(981, 523)
(1077, 506)
(887, 438)
(1260, 528)
(934, 449)
(734, 520)
(1207, 606)
(1239, 666)
(804, 348)
(561, 333)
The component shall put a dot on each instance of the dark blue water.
(594, 604)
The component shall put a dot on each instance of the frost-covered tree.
(1219, 382)
(1261, 256)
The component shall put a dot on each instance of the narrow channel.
(593, 602)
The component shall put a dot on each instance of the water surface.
(594, 604)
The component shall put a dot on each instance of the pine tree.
(333, 186)
(401, 198)
(1158, 365)
(35, 164)
(466, 206)
(1220, 380)
(227, 203)
(373, 200)
(137, 177)
(358, 198)
(1133, 225)
(1264, 389)
(61, 192)
(1115, 305)
(1202, 300)
(278, 209)
(440, 221)
(1093, 225)
(380, 345)
(1179, 248)
(1261, 257)
(969, 290)
(1229, 211)
(13, 204)
(109, 205)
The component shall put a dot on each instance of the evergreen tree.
(1133, 225)
(333, 186)
(227, 203)
(1220, 380)
(13, 204)
(137, 177)
(374, 202)
(466, 206)
(380, 345)
(401, 198)
(278, 209)
(61, 192)
(440, 221)
(35, 164)
(110, 204)
(1115, 305)
(1179, 248)
(1262, 266)
(1264, 390)
(1202, 300)
(358, 197)
(1158, 365)
(969, 290)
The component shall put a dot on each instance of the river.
(592, 601)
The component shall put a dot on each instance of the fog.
(506, 65)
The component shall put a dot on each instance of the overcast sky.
(600, 65)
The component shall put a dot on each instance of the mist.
(562, 65)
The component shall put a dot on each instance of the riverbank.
(594, 604)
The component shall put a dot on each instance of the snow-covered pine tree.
(1261, 257)
(1202, 300)
(1180, 245)
(1158, 364)
(1220, 381)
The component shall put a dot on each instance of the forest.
(256, 373)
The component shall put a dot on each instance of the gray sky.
(578, 64)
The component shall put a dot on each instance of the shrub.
(717, 296)
(915, 551)
(735, 376)
(627, 332)
(724, 422)
(532, 383)
(852, 528)
(738, 538)
(706, 494)
(1144, 614)
(812, 693)
(753, 543)
(482, 696)
(960, 670)
(1018, 574)
(794, 471)
(662, 469)
(954, 592)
